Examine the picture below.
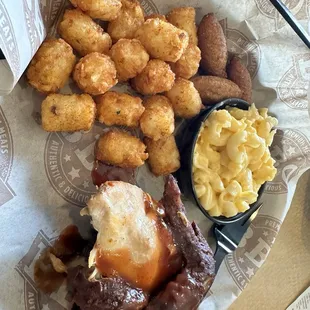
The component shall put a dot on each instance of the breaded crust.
(240, 75)
(104, 10)
(95, 73)
(184, 18)
(164, 156)
(44, 73)
(155, 78)
(119, 148)
(185, 98)
(187, 66)
(68, 112)
(213, 89)
(128, 21)
(162, 40)
(130, 58)
(83, 34)
(162, 17)
(121, 109)
(157, 120)
(212, 43)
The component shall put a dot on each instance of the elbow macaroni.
(232, 159)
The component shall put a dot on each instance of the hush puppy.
(44, 73)
(162, 40)
(213, 89)
(119, 109)
(212, 43)
(187, 66)
(155, 78)
(164, 156)
(184, 18)
(121, 149)
(95, 73)
(130, 58)
(104, 10)
(240, 75)
(185, 98)
(129, 19)
(157, 121)
(68, 112)
(83, 34)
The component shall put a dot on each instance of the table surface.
(286, 273)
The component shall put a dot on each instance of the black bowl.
(186, 139)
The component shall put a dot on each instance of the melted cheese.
(132, 239)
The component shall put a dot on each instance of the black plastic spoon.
(292, 21)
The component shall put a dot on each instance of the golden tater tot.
(104, 10)
(44, 73)
(187, 66)
(184, 18)
(95, 73)
(68, 112)
(162, 17)
(119, 109)
(164, 156)
(157, 121)
(185, 99)
(130, 18)
(155, 78)
(162, 40)
(83, 34)
(130, 58)
(121, 149)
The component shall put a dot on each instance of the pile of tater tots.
(156, 55)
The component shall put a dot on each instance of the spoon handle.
(292, 21)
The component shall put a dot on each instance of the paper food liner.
(45, 178)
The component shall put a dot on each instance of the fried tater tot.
(68, 112)
(104, 10)
(83, 34)
(44, 73)
(187, 66)
(184, 18)
(164, 156)
(156, 77)
(162, 17)
(185, 98)
(157, 121)
(130, 18)
(119, 109)
(162, 40)
(121, 149)
(95, 73)
(130, 58)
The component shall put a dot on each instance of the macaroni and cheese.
(232, 159)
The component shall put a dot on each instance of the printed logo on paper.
(50, 10)
(33, 298)
(148, 7)
(238, 44)
(8, 40)
(291, 150)
(39, 15)
(6, 160)
(69, 160)
(299, 8)
(253, 250)
(293, 86)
